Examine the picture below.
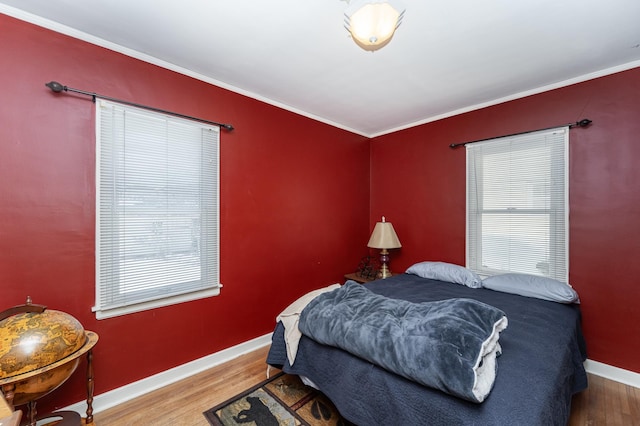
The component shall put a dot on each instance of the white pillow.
(446, 272)
(532, 286)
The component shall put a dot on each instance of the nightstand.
(357, 278)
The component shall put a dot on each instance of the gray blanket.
(449, 345)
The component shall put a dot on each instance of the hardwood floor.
(604, 403)
(182, 403)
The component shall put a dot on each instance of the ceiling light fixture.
(372, 23)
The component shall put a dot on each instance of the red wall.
(418, 182)
(294, 204)
(294, 201)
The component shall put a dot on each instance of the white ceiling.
(447, 57)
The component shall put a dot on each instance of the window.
(157, 239)
(517, 204)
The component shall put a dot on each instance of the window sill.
(145, 306)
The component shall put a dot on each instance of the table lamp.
(384, 237)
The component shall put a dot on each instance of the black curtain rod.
(582, 123)
(57, 88)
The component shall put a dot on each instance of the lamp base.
(384, 271)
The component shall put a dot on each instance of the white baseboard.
(613, 373)
(133, 390)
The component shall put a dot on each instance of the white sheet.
(290, 318)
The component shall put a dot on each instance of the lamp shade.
(384, 236)
(373, 22)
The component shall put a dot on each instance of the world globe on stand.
(39, 350)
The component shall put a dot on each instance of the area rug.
(282, 400)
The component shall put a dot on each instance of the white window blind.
(517, 204)
(157, 214)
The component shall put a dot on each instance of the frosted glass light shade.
(373, 23)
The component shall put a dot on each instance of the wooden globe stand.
(26, 388)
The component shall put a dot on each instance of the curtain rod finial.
(583, 123)
(55, 86)
(228, 127)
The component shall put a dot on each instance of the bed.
(539, 369)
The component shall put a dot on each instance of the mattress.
(540, 368)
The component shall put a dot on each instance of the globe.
(39, 350)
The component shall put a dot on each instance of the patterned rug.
(281, 400)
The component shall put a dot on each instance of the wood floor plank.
(181, 404)
(614, 402)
